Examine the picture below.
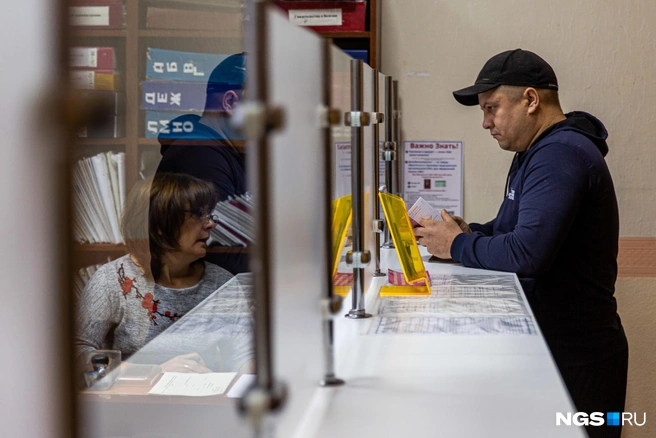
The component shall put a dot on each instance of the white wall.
(603, 52)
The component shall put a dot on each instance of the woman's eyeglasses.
(203, 217)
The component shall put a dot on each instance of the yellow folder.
(405, 243)
(342, 214)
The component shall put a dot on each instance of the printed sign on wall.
(433, 171)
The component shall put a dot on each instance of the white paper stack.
(99, 185)
(235, 225)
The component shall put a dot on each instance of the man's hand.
(464, 226)
(438, 236)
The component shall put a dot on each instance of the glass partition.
(299, 212)
(381, 129)
(341, 162)
(161, 218)
(341, 134)
(369, 177)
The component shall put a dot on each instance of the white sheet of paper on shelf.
(192, 385)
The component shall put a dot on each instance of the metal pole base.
(379, 274)
(357, 314)
(388, 245)
(331, 381)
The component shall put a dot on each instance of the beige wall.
(604, 54)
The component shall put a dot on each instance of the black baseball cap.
(513, 67)
(230, 74)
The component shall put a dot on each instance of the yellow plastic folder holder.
(342, 213)
(405, 243)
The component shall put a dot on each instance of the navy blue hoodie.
(558, 230)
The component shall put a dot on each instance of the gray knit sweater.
(120, 309)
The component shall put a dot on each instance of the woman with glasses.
(131, 300)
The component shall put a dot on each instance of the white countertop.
(429, 385)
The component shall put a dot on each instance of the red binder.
(353, 13)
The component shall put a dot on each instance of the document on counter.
(507, 280)
(450, 307)
(498, 325)
(482, 291)
(192, 385)
(240, 387)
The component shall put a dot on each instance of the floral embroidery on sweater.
(147, 301)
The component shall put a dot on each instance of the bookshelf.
(130, 47)
(368, 39)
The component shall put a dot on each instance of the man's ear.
(532, 98)
(230, 98)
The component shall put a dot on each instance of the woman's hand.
(186, 363)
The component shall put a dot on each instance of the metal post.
(332, 302)
(378, 223)
(359, 257)
(396, 137)
(266, 395)
(389, 153)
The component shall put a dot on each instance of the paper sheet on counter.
(240, 387)
(192, 385)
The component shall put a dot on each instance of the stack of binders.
(98, 198)
(235, 224)
(93, 72)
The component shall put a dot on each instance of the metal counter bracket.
(389, 152)
(359, 257)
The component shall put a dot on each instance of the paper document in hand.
(194, 385)
(422, 209)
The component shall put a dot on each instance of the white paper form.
(422, 209)
(467, 280)
(192, 385)
(451, 307)
(481, 291)
(240, 387)
(459, 304)
(518, 325)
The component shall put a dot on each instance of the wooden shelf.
(339, 35)
(148, 141)
(154, 142)
(98, 33)
(175, 33)
(101, 141)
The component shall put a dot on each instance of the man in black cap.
(208, 150)
(557, 227)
